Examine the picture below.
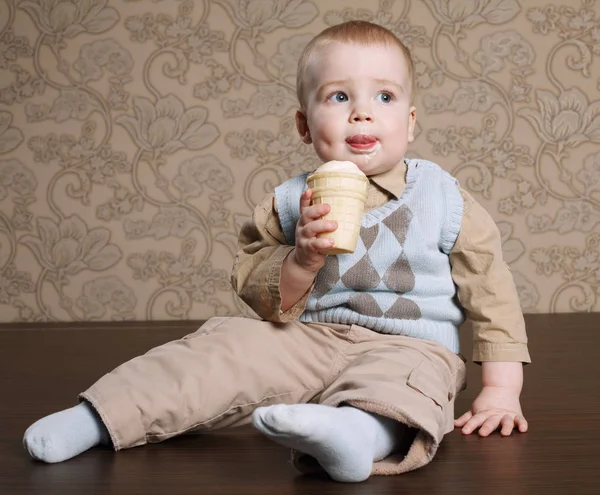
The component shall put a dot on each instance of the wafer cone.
(346, 193)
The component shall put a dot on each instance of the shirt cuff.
(273, 287)
(492, 351)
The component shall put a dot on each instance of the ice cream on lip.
(362, 142)
(361, 139)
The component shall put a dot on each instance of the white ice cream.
(338, 166)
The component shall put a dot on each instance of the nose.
(361, 116)
(361, 111)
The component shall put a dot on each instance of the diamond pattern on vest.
(398, 223)
(379, 276)
(400, 276)
(405, 307)
(365, 304)
(328, 277)
(362, 276)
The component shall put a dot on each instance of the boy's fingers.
(310, 212)
(312, 229)
(508, 424)
(474, 423)
(463, 419)
(489, 425)
(314, 212)
(324, 243)
(521, 423)
(305, 199)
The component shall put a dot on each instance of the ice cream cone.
(346, 193)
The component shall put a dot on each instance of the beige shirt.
(484, 284)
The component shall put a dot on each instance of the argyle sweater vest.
(398, 280)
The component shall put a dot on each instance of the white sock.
(344, 440)
(65, 434)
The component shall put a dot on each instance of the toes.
(270, 418)
(280, 419)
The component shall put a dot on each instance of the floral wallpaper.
(137, 135)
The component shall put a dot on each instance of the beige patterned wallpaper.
(136, 136)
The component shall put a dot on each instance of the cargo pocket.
(428, 381)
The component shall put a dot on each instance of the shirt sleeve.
(256, 274)
(486, 289)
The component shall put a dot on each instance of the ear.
(302, 126)
(412, 120)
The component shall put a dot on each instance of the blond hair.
(361, 32)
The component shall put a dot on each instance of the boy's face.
(358, 105)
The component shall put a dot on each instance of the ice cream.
(343, 186)
(337, 166)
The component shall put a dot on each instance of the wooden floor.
(43, 369)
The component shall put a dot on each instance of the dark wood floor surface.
(43, 368)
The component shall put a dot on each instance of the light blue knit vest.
(398, 280)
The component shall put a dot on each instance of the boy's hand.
(307, 253)
(495, 407)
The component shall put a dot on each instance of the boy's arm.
(486, 289)
(258, 270)
(487, 292)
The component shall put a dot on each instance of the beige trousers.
(216, 376)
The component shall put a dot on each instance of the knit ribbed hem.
(444, 333)
(454, 209)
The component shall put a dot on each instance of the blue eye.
(385, 97)
(339, 97)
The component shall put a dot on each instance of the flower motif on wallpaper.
(12, 47)
(16, 177)
(103, 54)
(219, 82)
(544, 19)
(10, 137)
(24, 86)
(170, 221)
(547, 260)
(107, 293)
(200, 171)
(525, 197)
(206, 281)
(578, 215)
(548, 18)
(73, 103)
(568, 120)
(68, 247)
(288, 53)
(580, 268)
(425, 75)
(182, 276)
(166, 126)
(121, 204)
(590, 174)
(242, 144)
(67, 18)
(469, 13)
(267, 15)
(13, 282)
(475, 96)
(269, 99)
(508, 45)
